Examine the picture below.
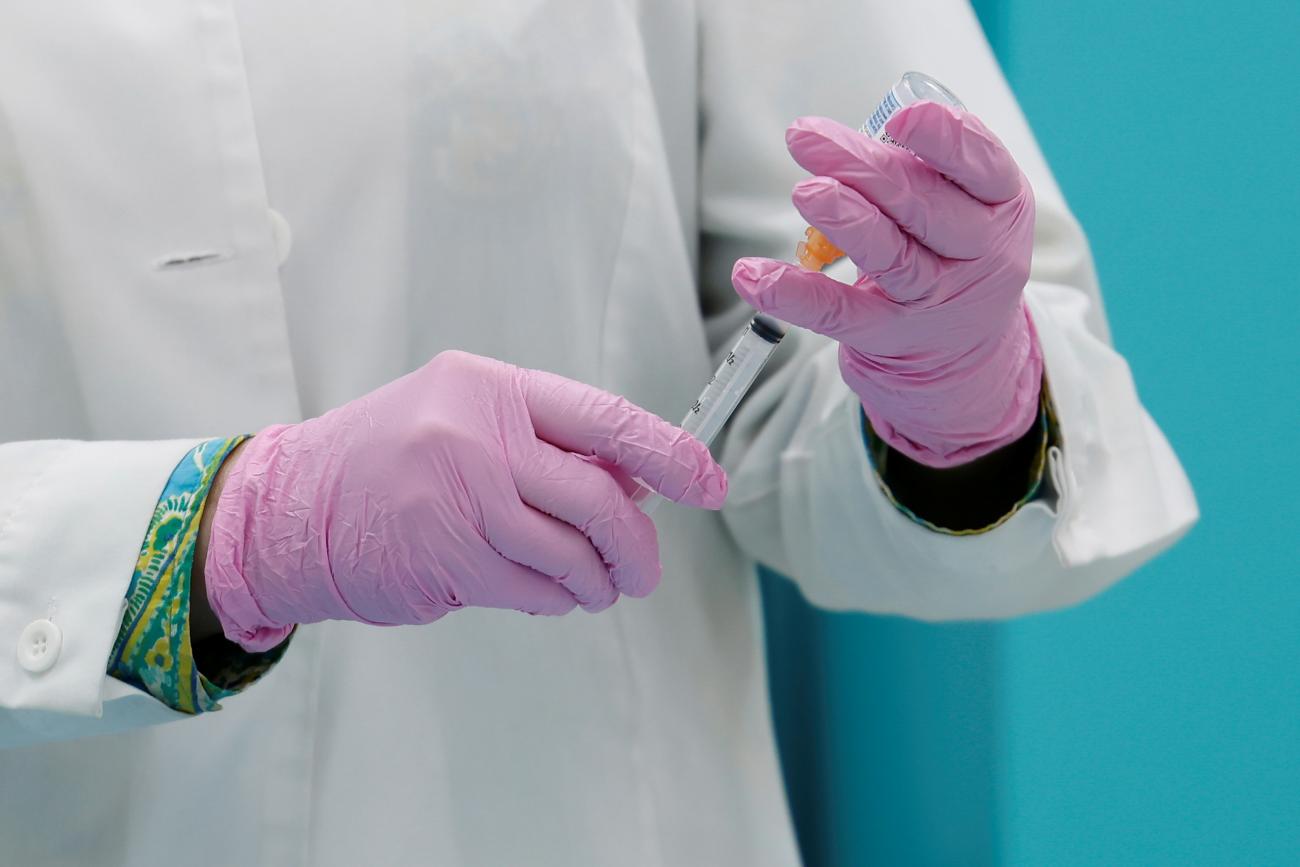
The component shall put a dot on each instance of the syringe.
(723, 392)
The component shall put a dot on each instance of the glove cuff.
(230, 596)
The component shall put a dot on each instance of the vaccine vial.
(816, 251)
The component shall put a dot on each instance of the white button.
(282, 235)
(39, 645)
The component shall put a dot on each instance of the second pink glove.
(934, 336)
(461, 484)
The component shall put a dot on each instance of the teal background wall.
(1160, 723)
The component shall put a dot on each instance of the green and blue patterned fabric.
(153, 651)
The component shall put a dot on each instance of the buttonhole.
(181, 260)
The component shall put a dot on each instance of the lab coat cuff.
(71, 518)
(1048, 434)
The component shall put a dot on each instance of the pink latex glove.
(934, 336)
(459, 484)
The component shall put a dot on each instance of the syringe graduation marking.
(729, 383)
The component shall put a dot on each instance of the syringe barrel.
(733, 378)
(723, 392)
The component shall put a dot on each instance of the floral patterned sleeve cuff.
(153, 650)
(1049, 435)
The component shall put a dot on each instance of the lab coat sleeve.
(803, 498)
(72, 518)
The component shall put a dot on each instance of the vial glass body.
(816, 251)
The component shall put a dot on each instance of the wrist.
(227, 555)
(204, 623)
(949, 411)
(972, 497)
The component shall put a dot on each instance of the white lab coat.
(563, 185)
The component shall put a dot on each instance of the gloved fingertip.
(714, 486)
(908, 119)
(600, 604)
(754, 272)
(764, 293)
(650, 583)
(801, 126)
(746, 271)
(555, 609)
(817, 143)
(816, 187)
(707, 488)
(639, 582)
(751, 276)
(813, 126)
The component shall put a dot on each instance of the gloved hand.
(459, 484)
(934, 336)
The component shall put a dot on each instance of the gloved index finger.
(588, 421)
(958, 145)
